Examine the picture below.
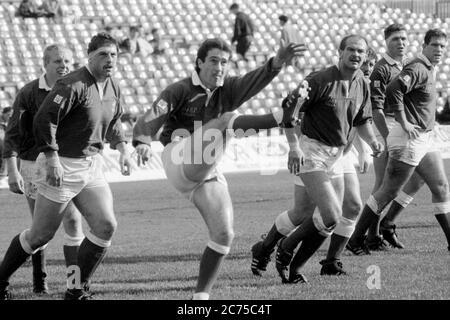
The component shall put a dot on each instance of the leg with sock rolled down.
(396, 175)
(213, 201)
(73, 237)
(46, 220)
(432, 170)
(284, 224)
(404, 198)
(96, 205)
(312, 231)
(351, 207)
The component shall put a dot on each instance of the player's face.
(434, 50)
(58, 64)
(367, 67)
(396, 44)
(354, 54)
(103, 62)
(214, 69)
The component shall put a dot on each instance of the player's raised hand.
(15, 182)
(286, 52)
(144, 153)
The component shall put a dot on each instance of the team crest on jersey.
(406, 78)
(57, 99)
(376, 83)
(162, 104)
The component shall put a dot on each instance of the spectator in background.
(156, 42)
(243, 31)
(29, 9)
(135, 44)
(289, 33)
(52, 9)
(4, 117)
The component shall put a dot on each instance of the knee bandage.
(373, 204)
(441, 208)
(72, 241)
(24, 243)
(320, 226)
(218, 247)
(284, 224)
(345, 227)
(97, 241)
(403, 199)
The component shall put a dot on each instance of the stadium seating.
(187, 22)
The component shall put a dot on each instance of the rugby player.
(20, 144)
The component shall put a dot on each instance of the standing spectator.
(156, 42)
(243, 31)
(134, 44)
(289, 33)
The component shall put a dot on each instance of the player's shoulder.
(28, 88)
(179, 87)
(324, 75)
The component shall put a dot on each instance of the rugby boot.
(332, 268)
(282, 260)
(389, 234)
(260, 258)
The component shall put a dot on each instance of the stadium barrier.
(264, 154)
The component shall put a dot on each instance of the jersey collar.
(422, 57)
(197, 82)
(43, 83)
(392, 61)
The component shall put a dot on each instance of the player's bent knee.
(37, 240)
(105, 229)
(324, 228)
(284, 224)
(224, 250)
(345, 227)
(352, 209)
(441, 190)
(223, 236)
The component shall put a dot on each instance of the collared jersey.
(187, 101)
(75, 121)
(335, 106)
(384, 71)
(19, 138)
(414, 92)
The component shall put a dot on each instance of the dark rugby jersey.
(384, 71)
(74, 121)
(335, 106)
(19, 138)
(414, 92)
(187, 100)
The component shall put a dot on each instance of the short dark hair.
(434, 33)
(208, 45)
(371, 54)
(283, 18)
(101, 39)
(6, 110)
(134, 28)
(390, 29)
(234, 6)
(343, 43)
(154, 30)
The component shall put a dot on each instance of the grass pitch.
(156, 250)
